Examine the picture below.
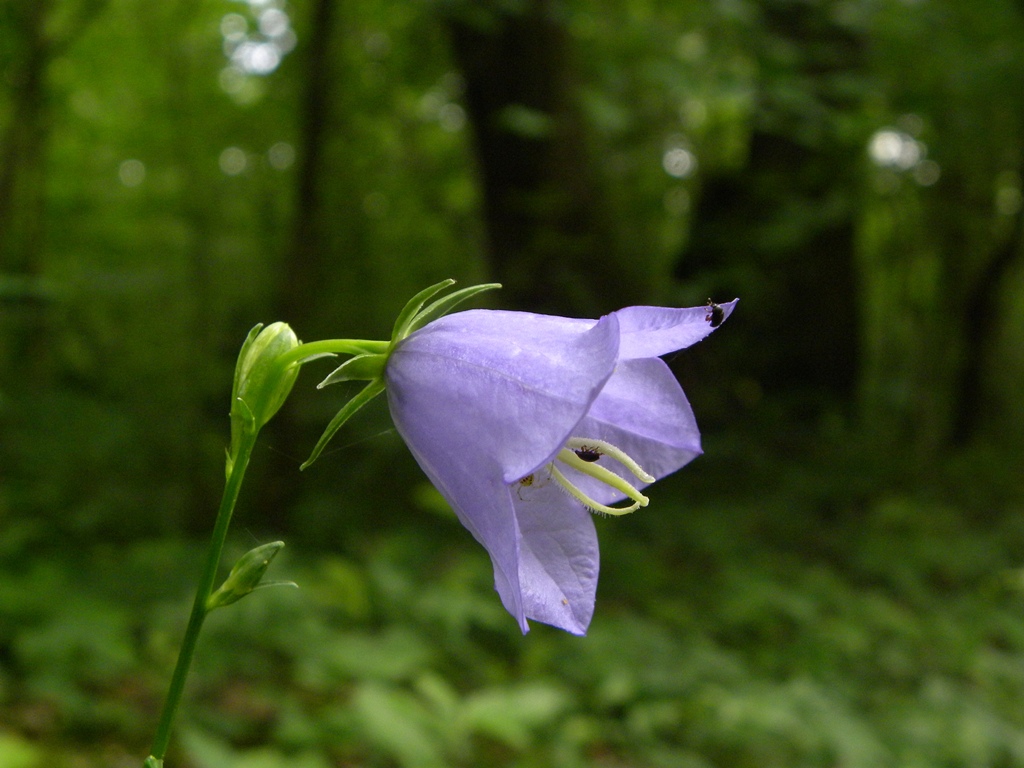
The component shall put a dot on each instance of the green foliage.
(885, 631)
(16, 752)
(844, 592)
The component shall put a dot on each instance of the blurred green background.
(834, 583)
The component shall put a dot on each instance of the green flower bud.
(245, 576)
(262, 382)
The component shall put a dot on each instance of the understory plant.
(526, 424)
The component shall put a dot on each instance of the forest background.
(836, 582)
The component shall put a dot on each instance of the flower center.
(582, 455)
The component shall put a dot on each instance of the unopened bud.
(246, 576)
(262, 381)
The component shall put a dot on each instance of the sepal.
(371, 358)
(358, 368)
(366, 394)
(441, 307)
(413, 307)
(414, 316)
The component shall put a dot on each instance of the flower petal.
(508, 385)
(643, 411)
(483, 504)
(654, 331)
(559, 560)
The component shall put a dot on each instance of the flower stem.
(333, 347)
(199, 610)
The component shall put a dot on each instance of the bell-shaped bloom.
(525, 423)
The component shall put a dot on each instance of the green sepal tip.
(371, 358)
(358, 368)
(412, 308)
(366, 394)
(444, 305)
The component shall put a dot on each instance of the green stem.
(332, 347)
(199, 610)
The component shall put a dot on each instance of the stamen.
(590, 503)
(601, 474)
(582, 455)
(607, 449)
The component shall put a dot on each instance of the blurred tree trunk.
(201, 405)
(938, 257)
(22, 172)
(24, 138)
(980, 322)
(786, 219)
(308, 260)
(32, 40)
(548, 229)
(981, 307)
(935, 271)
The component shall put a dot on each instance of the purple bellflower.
(528, 423)
(516, 418)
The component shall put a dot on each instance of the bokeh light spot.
(1008, 199)
(679, 162)
(234, 27)
(232, 80)
(233, 161)
(274, 22)
(257, 58)
(691, 46)
(377, 45)
(132, 172)
(895, 149)
(281, 155)
(452, 117)
(256, 45)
